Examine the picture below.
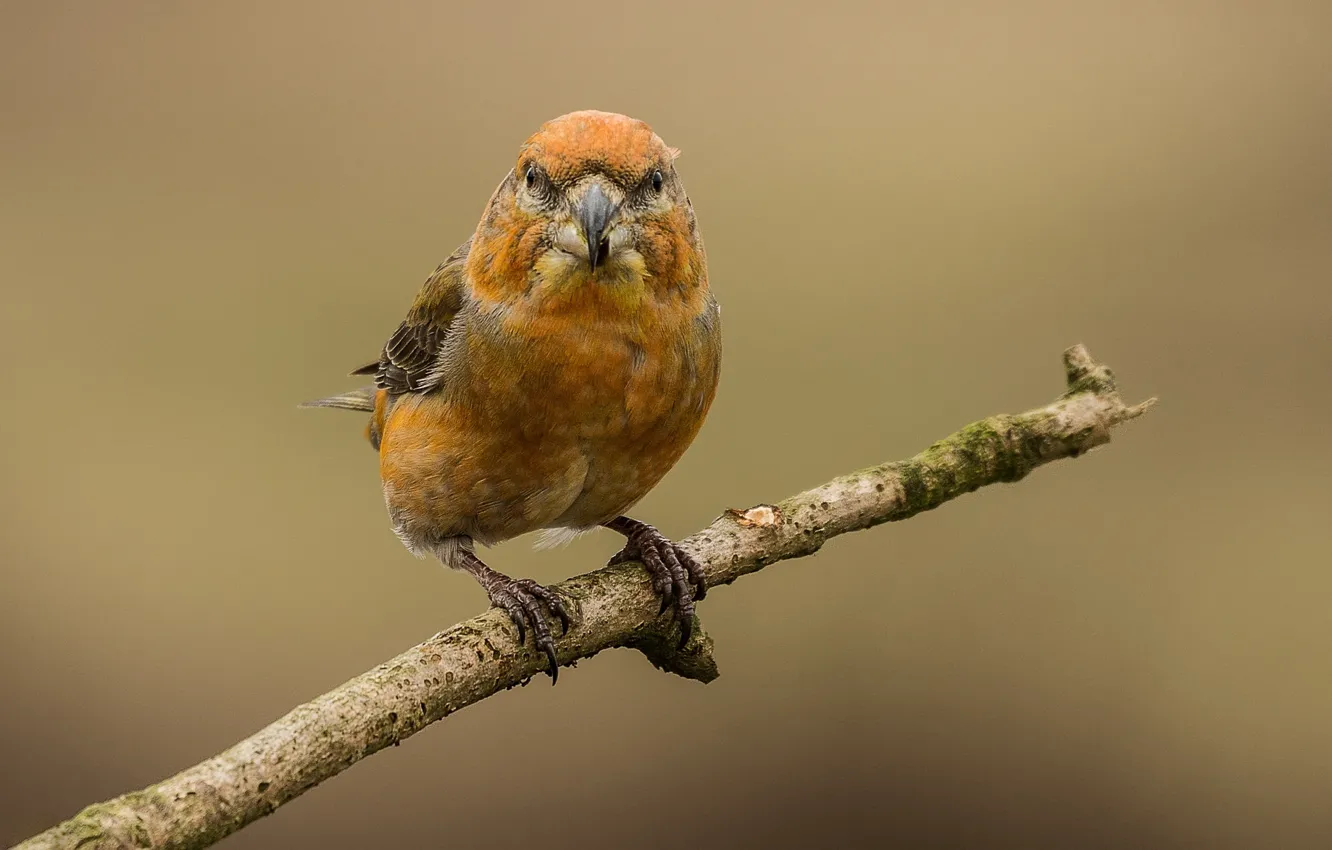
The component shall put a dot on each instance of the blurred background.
(210, 212)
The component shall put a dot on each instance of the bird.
(553, 369)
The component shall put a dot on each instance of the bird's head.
(594, 201)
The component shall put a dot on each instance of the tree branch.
(615, 607)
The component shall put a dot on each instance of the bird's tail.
(359, 399)
(366, 399)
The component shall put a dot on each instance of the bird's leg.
(521, 599)
(676, 576)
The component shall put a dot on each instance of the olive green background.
(211, 211)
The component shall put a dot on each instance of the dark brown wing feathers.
(408, 361)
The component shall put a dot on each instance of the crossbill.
(553, 368)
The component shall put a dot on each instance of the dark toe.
(522, 601)
(684, 594)
(695, 570)
(506, 602)
(548, 646)
(551, 599)
(686, 630)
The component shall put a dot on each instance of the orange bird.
(553, 368)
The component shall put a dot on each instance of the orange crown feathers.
(572, 145)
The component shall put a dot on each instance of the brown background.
(211, 211)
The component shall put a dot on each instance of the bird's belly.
(659, 411)
(446, 475)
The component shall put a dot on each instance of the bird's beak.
(594, 213)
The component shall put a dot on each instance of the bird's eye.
(657, 180)
(530, 176)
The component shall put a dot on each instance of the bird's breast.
(594, 377)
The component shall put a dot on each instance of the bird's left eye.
(657, 180)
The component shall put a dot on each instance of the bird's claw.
(522, 599)
(676, 577)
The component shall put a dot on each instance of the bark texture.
(614, 607)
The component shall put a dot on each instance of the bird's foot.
(522, 599)
(676, 576)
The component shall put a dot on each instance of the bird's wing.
(407, 364)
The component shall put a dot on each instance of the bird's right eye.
(530, 176)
